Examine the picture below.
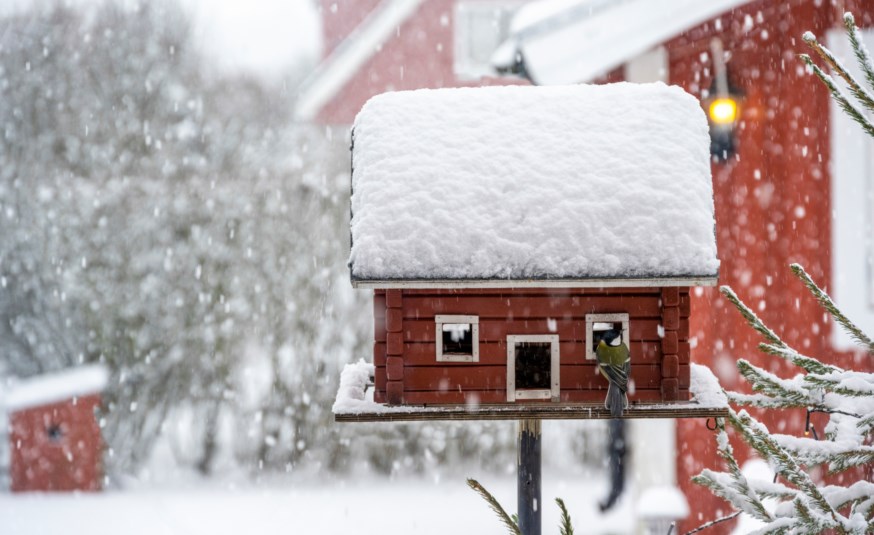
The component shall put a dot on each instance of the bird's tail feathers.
(616, 401)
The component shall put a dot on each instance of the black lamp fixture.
(723, 107)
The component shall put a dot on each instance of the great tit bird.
(614, 361)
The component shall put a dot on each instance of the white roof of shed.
(55, 387)
(517, 186)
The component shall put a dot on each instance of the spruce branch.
(566, 527)
(866, 424)
(860, 93)
(838, 456)
(712, 523)
(511, 525)
(848, 107)
(808, 364)
(859, 49)
(751, 317)
(789, 392)
(858, 385)
(761, 401)
(732, 487)
(854, 331)
(757, 436)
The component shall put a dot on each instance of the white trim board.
(852, 184)
(426, 284)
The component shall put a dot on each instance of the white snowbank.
(359, 505)
(55, 387)
(524, 183)
(663, 502)
(704, 387)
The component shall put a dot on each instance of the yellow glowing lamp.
(723, 111)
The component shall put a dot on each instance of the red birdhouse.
(504, 229)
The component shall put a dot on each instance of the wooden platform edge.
(546, 412)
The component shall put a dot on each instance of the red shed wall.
(72, 462)
(407, 370)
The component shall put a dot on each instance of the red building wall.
(407, 370)
(56, 447)
(419, 55)
(772, 209)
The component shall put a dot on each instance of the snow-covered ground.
(361, 506)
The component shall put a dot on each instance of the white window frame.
(553, 393)
(852, 184)
(466, 67)
(592, 319)
(439, 320)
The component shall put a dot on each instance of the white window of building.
(457, 338)
(480, 28)
(533, 365)
(852, 196)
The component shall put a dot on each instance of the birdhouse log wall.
(408, 372)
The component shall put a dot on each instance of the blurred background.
(174, 186)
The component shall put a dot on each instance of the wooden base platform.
(551, 411)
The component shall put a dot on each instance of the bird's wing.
(615, 364)
(616, 375)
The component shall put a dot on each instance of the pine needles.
(495, 506)
(511, 523)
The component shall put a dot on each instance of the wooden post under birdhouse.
(529, 503)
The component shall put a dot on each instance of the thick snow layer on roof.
(55, 387)
(573, 182)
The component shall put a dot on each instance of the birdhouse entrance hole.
(598, 324)
(532, 367)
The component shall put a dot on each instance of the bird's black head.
(610, 336)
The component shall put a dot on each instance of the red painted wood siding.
(419, 55)
(407, 370)
(72, 461)
(782, 164)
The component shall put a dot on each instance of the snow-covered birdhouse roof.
(515, 186)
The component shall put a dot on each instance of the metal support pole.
(528, 477)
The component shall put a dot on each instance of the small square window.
(598, 324)
(457, 338)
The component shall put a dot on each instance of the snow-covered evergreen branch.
(808, 364)
(847, 396)
(838, 95)
(788, 391)
(751, 317)
(859, 49)
(826, 301)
